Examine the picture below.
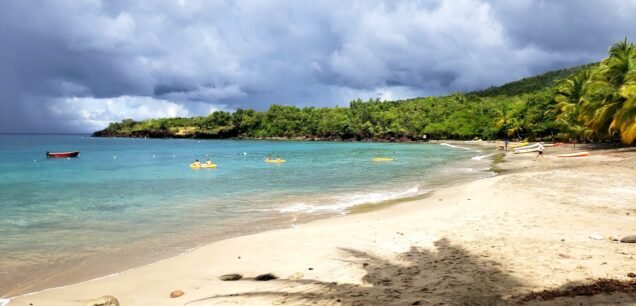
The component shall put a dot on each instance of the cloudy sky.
(74, 65)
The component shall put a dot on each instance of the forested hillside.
(534, 83)
(590, 102)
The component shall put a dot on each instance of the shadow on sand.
(446, 275)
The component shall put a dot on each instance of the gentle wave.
(4, 302)
(343, 203)
(480, 157)
(457, 147)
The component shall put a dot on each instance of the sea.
(125, 202)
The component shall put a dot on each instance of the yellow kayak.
(275, 161)
(202, 166)
(382, 159)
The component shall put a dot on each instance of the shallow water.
(140, 194)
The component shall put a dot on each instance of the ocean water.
(137, 200)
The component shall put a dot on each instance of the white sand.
(479, 243)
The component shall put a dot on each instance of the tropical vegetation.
(591, 102)
(600, 102)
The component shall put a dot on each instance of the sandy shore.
(485, 242)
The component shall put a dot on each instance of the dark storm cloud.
(567, 25)
(76, 65)
(580, 29)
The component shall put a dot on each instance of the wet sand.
(542, 224)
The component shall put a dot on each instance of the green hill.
(537, 107)
(534, 83)
(514, 109)
(526, 108)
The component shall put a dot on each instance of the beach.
(541, 224)
(125, 203)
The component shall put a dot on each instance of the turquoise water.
(123, 194)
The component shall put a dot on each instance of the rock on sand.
(176, 294)
(230, 277)
(629, 239)
(106, 300)
(296, 276)
(266, 277)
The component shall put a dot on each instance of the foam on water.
(341, 204)
(457, 147)
(480, 157)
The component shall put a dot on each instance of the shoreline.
(404, 140)
(357, 210)
(195, 271)
(75, 270)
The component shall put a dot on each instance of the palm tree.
(607, 107)
(620, 62)
(625, 118)
(506, 120)
(571, 95)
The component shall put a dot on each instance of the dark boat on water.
(62, 154)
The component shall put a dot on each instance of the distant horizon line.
(38, 133)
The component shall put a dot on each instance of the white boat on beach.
(530, 150)
(528, 147)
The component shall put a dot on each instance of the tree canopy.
(600, 102)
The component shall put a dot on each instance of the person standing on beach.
(506, 144)
(540, 150)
